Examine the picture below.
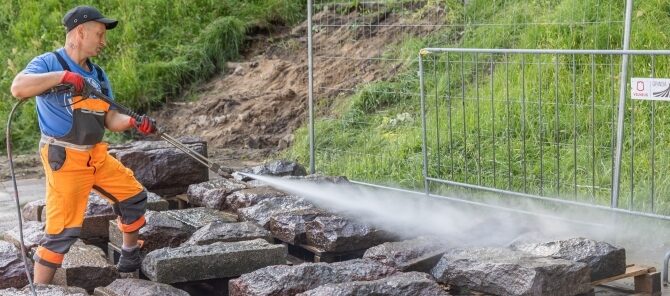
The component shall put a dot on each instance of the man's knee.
(131, 212)
(53, 247)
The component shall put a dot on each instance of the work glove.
(73, 79)
(146, 125)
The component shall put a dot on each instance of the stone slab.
(401, 284)
(506, 272)
(212, 194)
(33, 232)
(156, 203)
(273, 168)
(283, 280)
(45, 290)
(219, 231)
(419, 254)
(85, 266)
(217, 260)
(32, 211)
(12, 269)
(264, 210)
(161, 230)
(605, 260)
(339, 234)
(291, 227)
(161, 167)
(138, 287)
(199, 217)
(249, 197)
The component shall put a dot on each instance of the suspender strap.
(101, 77)
(62, 61)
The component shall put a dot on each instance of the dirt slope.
(250, 111)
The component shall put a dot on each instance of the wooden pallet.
(647, 279)
(308, 253)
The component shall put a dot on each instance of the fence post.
(423, 123)
(622, 104)
(310, 87)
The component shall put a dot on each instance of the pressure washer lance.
(89, 91)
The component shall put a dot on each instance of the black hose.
(8, 138)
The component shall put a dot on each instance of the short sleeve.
(36, 66)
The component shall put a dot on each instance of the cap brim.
(109, 23)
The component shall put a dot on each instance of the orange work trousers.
(71, 174)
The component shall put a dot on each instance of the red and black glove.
(146, 125)
(73, 79)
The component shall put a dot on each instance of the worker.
(74, 157)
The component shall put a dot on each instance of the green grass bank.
(507, 133)
(159, 48)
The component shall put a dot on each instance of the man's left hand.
(146, 126)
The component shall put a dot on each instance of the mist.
(492, 221)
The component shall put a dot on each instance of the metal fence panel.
(542, 123)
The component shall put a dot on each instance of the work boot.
(129, 261)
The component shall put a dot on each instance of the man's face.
(93, 38)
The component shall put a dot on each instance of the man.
(74, 158)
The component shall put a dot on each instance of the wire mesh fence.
(543, 123)
(365, 51)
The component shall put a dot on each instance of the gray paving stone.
(419, 254)
(156, 203)
(32, 211)
(12, 269)
(506, 272)
(161, 167)
(249, 197)
(282, 280)
(264, 210)
(199, 217)
(138, 287)
(219, 231)
(85, 266)
(217, 260)
(33, 232)
(290, 226)
(45, 290)
(212, 194)
(338, 234)
(161, 230)
(605, 260)
(400, 284)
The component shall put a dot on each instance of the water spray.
(467, 222)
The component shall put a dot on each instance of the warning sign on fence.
(650, 89)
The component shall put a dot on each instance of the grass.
(158, 50)
(516, 122)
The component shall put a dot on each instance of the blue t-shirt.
(53, 110)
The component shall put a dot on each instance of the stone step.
(217, 260)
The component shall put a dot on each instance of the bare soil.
(250, 111)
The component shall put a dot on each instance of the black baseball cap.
(81, 14)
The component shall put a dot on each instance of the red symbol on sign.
(640, 85)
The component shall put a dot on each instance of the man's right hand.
(73, 79)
